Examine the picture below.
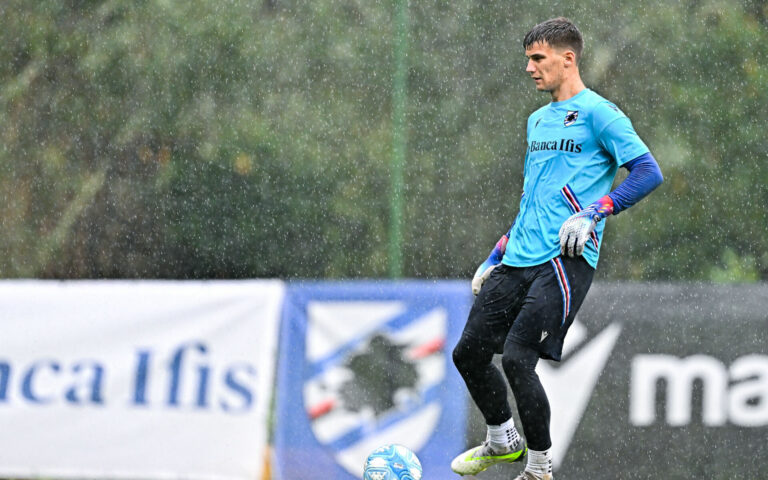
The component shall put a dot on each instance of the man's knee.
(470, 352)
(519, 360)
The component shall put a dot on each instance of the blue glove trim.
(496, 254)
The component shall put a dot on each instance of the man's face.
(546, 65)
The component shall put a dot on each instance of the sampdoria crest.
(570, 117)
(376, 369)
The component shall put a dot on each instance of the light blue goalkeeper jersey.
(575, 148)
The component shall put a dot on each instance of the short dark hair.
(557, 32)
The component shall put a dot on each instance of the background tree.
(213, 139)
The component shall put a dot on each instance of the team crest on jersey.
(375, 370)
(570, 117)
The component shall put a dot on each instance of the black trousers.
(523, 313)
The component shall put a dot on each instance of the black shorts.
(532, 306)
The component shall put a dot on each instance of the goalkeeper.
(531, 286)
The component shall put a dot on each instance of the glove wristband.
(601, 208)
(496, 255)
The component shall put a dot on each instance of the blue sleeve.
(615, 133)
(644, 176)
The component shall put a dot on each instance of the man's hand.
(479, 280)
(576, 231)
(484, 270)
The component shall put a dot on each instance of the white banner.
(139, 380)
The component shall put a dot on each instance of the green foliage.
(213, 139)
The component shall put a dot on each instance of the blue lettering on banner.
(227, 388)
(27, 384)
(94, 387)
(240, 387)
(140, 380)
(175, 368)
(5, 375)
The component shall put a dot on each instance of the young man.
(533, 283)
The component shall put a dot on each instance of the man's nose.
(530, 68)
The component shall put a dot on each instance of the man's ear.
(569, 58)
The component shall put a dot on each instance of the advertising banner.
(659, 381)
(146, 379)
(366, 364)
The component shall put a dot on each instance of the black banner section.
(659, 381)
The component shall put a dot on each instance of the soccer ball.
(392, 462)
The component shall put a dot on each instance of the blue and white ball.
(392, 462)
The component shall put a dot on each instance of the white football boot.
(477, 459)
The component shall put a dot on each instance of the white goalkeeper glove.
(576, 231)
(484, 270)
(480, 278)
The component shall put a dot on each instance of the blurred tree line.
(226, 138)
